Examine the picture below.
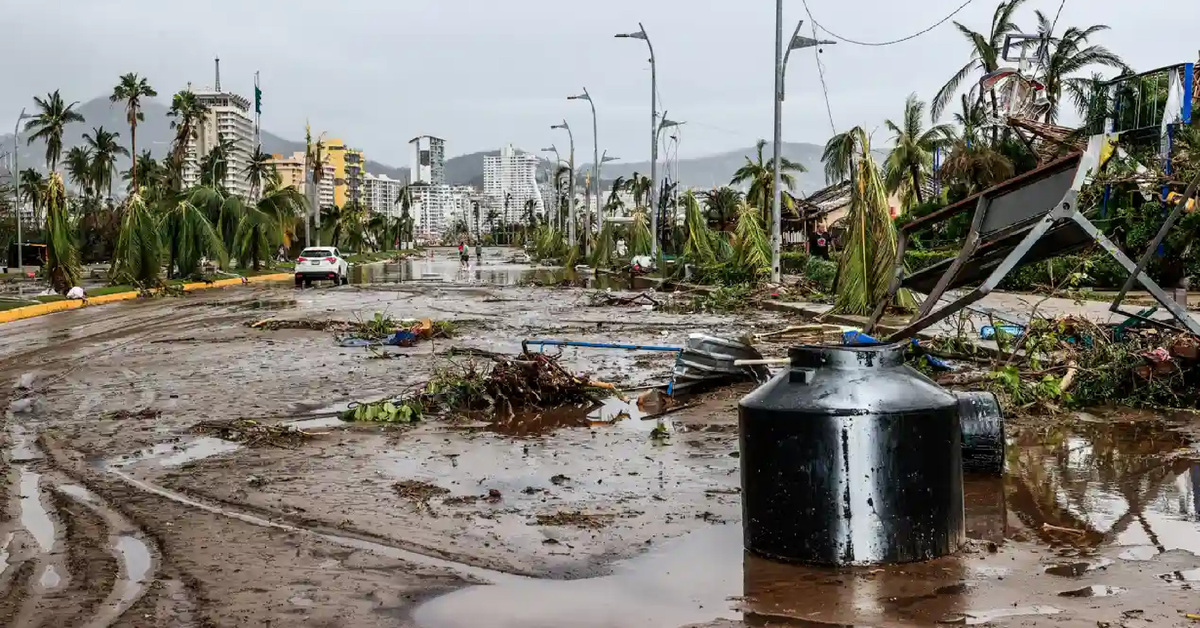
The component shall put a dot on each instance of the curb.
(41, 309)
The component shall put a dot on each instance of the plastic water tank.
(849, 457)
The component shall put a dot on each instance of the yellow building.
(292, 172)
(349, 166)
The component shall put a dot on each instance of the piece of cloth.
(76, 293)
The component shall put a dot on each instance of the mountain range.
(155, 134)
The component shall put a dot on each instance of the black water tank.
(849, 457)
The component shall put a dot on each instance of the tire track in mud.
(84, 564)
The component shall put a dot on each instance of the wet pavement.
(559, 517)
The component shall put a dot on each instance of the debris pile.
(380, 329)
(272, 324)
(488, 390)
(253, 433)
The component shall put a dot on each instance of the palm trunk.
(916, 181)
(133, 157)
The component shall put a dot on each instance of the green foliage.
(386, 411)
(725, 298)
(821, 272)
(138, 256)
(188, 236)
(639, 233)
(793, 262)
(700, 247)
(603, 253)
(256, 238)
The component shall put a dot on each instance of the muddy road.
(118, 513)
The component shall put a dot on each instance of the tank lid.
(855, 357)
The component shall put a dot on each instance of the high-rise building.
(293, 171)
(381, 194)
(432, 210)
(428, 160)
(228, 120)
(349, 166)
(509, 181)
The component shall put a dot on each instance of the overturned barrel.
(982, 432)
(849, 457)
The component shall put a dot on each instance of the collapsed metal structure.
(1035, 216)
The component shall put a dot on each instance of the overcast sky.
(482, 73)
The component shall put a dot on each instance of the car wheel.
(343, 280)
(299, 282)
(308, 283)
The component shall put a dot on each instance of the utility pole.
(570, 184)
(587, 208)
(16, 174)
(797, 41)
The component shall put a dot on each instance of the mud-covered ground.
(561, 519)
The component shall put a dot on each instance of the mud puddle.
(490, 272)
(135, 567)
(176, 454)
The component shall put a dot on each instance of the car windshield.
(317, 253)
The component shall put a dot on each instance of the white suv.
(321, 263)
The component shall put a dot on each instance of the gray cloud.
(485, 72)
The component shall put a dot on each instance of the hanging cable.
(824, 87)
(884, 43)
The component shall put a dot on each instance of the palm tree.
(638, 186)
(33, 191)
(187, 113)
(131, 88)
(866, 264)
(761, 177)
(259, 171)
(285, 205)
(79, 167)
(222, 210)
(215, 165)
(48, 125)
(985, 53)
(912, 154)
(105, 148)
(257, 236)
(614, 199)
(976, 166)
(1062, 57)
(144, 171)
(722, 204)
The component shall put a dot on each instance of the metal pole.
(571, 194)
(653, 148)
(587, 221)
(16, 173)
(777, 201)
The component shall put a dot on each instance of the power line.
(824, 87)
(884, 43)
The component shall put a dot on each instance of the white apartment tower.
(509, 181)
(228, 119)
(428, 160)
(381, 193)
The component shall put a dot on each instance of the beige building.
(228, 119)
(292, 172)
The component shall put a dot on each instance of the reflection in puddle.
(176, 454)
(318, 423)
(34, 517)
(1096, 590)
(976, 618)
(1190, 575)
(1076, 569)
(7, 540)
(135, 564)
(609, 412)
(50, 578)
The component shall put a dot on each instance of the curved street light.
(587, 208)
(642, 35)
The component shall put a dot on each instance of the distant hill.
(717, 170)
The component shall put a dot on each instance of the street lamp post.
(554, 173)
(570, 184)
(665, 124)
(16, 175)
(587, 210)
(641, 34)
(796, 42)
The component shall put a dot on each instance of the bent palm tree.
(48, 125)
(259, 171)
(105, 149)
(976, 166)
(62, 263)
(865, 266)
(722, 206)
(188, 236)
(137, 259)
(131, 88)
(985, 57)
(912, 154)
(761, 177)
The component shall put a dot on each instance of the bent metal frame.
(1026, 219)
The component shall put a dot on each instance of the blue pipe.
(596, 345)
